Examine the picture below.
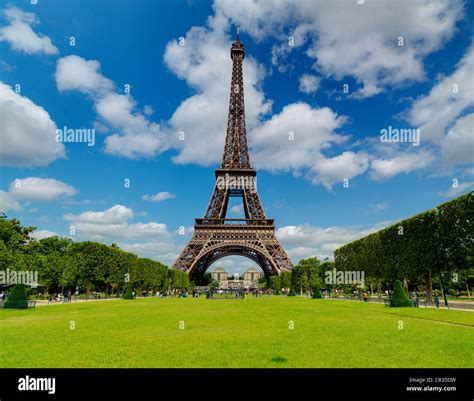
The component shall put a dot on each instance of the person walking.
(436, 300)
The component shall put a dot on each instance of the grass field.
(235, 333)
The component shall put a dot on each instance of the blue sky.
(407, 64)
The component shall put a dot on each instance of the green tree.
(275, 284)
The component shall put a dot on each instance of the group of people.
(65, 297)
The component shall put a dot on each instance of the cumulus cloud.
(135, 135)
(132, 134)
(384, 169)
(307, 240)
(336, 169)
(8, 202)
(367, 46)
(20, 35)
(113, 224)
(309, 83)
(458, 145)
(160, 196)
(75, 73)
(27, 132)
(293, 138)
(117, 214)
(39, 189)
(433, 112)
(164, 250)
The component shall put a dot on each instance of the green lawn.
(235, 333)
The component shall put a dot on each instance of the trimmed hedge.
(128, 293)
(399, 297)
(316, 292)
(17, 298)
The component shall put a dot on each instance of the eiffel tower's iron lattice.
(215, 236)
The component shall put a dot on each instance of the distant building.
(249, 280)
(219, 274)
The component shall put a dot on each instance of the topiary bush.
(316, 292)
(17, 298)
(128, 293)
(399, 297)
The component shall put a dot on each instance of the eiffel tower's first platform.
(215, 236)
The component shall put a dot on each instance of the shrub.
(316, 292)
(17, 298)
(399, 297)
(292, 293)
(128, 293)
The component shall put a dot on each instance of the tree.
(285, 278)
(305, 274)
(179, 280)
(275, 284)
(13, 234)
(424, 248)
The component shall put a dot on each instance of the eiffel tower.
(215, 236)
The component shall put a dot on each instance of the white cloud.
(384, 169)
(292, 139)
(365, 44)
(39, 189)
(42, 234)
(136, 136)
(336, 169)
(458, 190)
(148, 110)
(21, 37)
(458, 145)
(308, 240)
(75, 73)
(204, 62)
(112, 224)
(433, 113)
(309, 83)
(237, 209)
(27, 132)
(133, 135)
(117, 214)
(8, 203)
(160, 196)
(163, 251)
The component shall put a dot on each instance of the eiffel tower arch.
(216, 236)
